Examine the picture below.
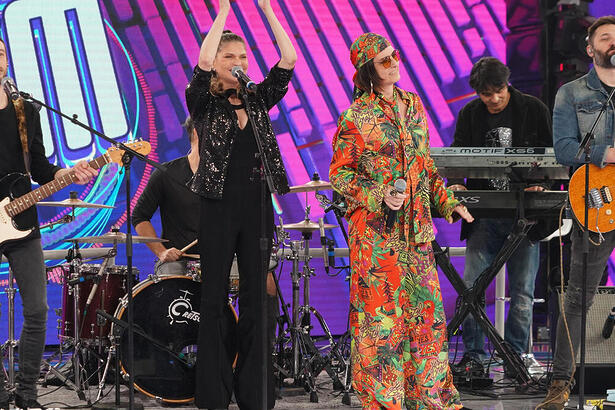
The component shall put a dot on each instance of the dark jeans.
(26, 261)
(484, 242)
(563, 360)
(228, 226)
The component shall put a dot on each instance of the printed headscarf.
(366, 47)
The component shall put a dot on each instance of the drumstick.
(190, 245)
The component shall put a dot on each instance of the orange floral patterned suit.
(399, 347)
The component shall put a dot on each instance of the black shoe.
(23, 403)
(469, 365)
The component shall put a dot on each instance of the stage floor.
(61, 398)
(502, 397)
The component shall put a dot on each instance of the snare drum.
(192, 268)
(167, 309)
(111, 288)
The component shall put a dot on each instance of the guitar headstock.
(114, 154)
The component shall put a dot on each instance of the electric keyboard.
(503, 204)
(520, 163)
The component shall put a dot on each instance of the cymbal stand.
(340, 352)
(308, 361)
(11, 343)
(74, 260)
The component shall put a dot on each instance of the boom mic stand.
(584, 152)
(266, 181)
(129, 154)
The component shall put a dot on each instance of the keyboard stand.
(470, 298)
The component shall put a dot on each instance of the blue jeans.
(563, 361)
(26, 262)
(484, 242)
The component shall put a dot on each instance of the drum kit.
(94, 304)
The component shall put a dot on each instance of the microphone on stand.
(238, 73)
(331, 255)
(323, 243)
(400, 187)
(11, 89)
(609, 323)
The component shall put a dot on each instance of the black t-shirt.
(501, 119)
(607, 88)
(179, 206)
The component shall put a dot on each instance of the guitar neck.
(24, 202)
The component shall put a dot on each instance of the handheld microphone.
(400, 187)
(612, 60)
(608, 324)
(323, 243)
(11, 89)
(238, 73)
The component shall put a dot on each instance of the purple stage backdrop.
(122, 66)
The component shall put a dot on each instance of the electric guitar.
(601, 215)
(9, 209)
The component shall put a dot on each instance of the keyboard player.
(502, 117)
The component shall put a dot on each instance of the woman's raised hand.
(264, 4)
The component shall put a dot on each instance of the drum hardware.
(83, 338)
(306, 359)
(115, 237)
(341, 351)
(11, 343)
(68, 218)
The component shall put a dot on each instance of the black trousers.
(231, 226)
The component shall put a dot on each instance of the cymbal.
(314, 185)
(74, 202)
(55, 254)
(114, 237)
(307, 226)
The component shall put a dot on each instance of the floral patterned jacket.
(372, 148)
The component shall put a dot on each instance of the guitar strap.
(23, 131)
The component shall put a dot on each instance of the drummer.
(179, 209)
(179, 214)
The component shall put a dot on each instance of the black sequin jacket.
(216, 124)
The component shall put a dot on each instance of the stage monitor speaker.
(599, 352)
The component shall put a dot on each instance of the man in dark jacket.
(501, 117)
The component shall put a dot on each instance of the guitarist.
(26, 255)
(577, 104)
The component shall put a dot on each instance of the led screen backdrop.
(121, 66)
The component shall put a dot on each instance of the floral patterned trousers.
(399, 345)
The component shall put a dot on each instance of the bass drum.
(167, 309)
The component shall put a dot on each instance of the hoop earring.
(371, 87)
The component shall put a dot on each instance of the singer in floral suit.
(399, 347)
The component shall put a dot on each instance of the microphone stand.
(584, 152)
(266, 181)
(129, 154)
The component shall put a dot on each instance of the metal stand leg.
(11, 343)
